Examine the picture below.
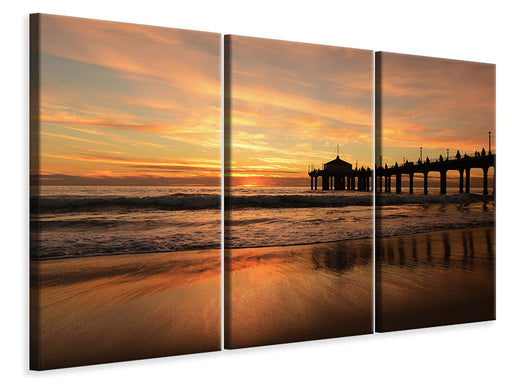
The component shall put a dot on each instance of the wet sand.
(435, 278)
(113, 308)
(297, 293)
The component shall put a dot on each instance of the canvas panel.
(435, 192)
(298, 213)
(125, 191)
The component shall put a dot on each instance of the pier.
(338, 175)
(463, 165)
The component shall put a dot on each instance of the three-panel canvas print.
(316, 192)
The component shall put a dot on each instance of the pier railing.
(463, 165)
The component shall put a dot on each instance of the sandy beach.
(435, 278)
(296, 293)
(113, 308)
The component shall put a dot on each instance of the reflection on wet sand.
(296, 293)
(429, 248)
(447, 250)
(112, 308)
(340, 257)
(401, 251)
(461, 240)
(442, 278)
(490, 252)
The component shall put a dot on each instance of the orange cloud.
(78, 139)
(302, 104)
(151, 93)
(172, 56)
(291, 104)
(435, 103)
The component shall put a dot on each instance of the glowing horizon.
(127, 104)
(291, 104)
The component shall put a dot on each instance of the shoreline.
(453, 229)
(124, 254)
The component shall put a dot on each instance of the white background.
(468, 30)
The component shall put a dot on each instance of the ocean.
(405, 214)
(76, 221)
(257, 217)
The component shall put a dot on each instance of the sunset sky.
(128, 104)
(436, 104)
(291, 104)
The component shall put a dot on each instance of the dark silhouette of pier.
(339, 175)
(462, 164)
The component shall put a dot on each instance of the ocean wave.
(52, 204)
(81, 223)
(175, 202)
(115, 245)
(401, 199)
(387, 230)
(333, 201)
(182, 201)
(251, 221)
(296, 201)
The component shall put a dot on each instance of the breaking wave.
(175, 202)
(180, 201)
(401, 199)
